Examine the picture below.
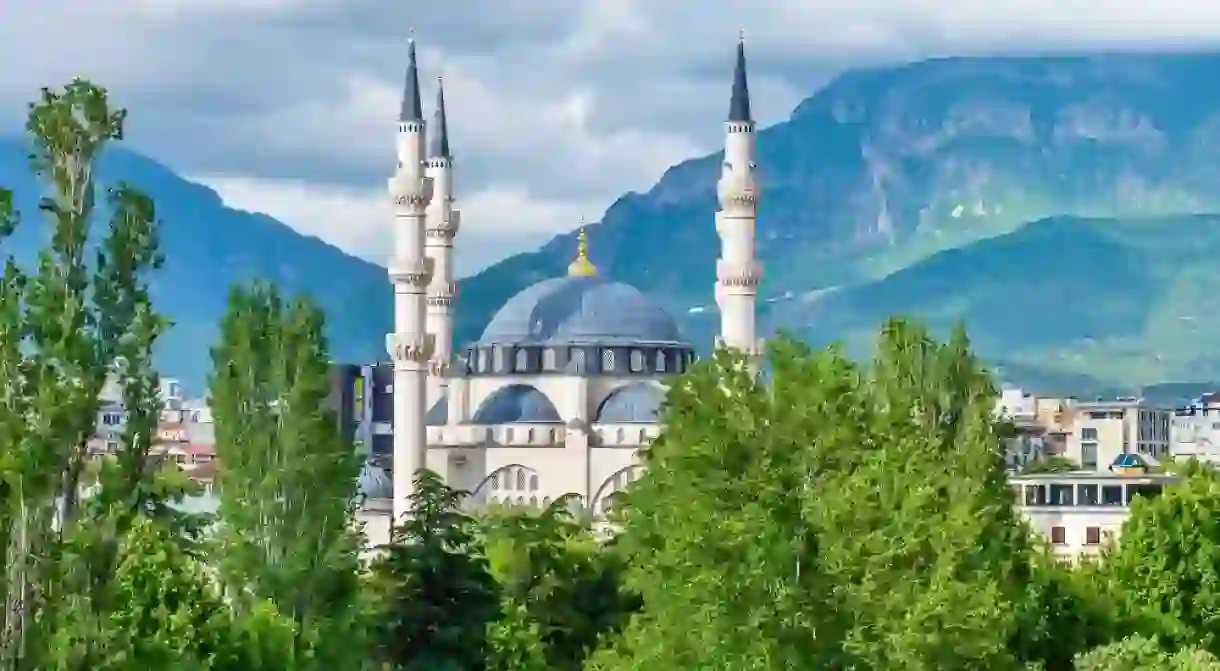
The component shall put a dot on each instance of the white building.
(1195, 430)
(1078, 512)
(1102, 430)
(562, 389)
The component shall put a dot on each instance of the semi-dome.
(638, 403)
(516, 403)
(580, 309)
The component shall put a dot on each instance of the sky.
(556, 107)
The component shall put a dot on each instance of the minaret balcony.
(413, 272)
(411, 191)
(445, 228)
(410, 348)
(738, 275)
(737, 189)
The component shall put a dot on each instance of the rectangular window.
(1112, 495)
(1088, 433)
(1092, 535)
(1086, 495)
(1088, 456)
(1059, 535)
(1061, 495)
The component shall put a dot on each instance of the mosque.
(563, 387)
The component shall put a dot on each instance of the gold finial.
(581, 266)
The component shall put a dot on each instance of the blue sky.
(556, 106)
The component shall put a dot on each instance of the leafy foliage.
(1143, 654)
(287, 480)
(437, 595)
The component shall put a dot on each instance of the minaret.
(443, 223)
(737, 271)
(410, 346)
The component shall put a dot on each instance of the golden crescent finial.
(581, 266)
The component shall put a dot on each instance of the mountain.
(885, 168)
(1125, 300)
(209, 248)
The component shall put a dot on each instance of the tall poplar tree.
(287, 476)
(81, 313)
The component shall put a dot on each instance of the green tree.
(841, 516)
(68, 323)
(549, 563)
(1139, 653)
(438, 599)
(287, 476)
(1166, 570)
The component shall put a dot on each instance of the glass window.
(1086, 495)
(637, 361)
(661, 362)
(1092, 535)
(1059, 535)
(1088, 433)
(1112, 495)
(548, 359)
(1088, 455)
(608, 361)
(523, 359)
(534, 483)
(520, 479)
(1061, 495)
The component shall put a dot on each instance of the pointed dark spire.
(739, 104)
(438, 136)
(412, 108)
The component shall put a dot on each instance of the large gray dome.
(580, 310)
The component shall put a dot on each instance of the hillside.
(885, 167)
(210, 247)
(1129, 300)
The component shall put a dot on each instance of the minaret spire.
(443, 222)
(739, 103)
(412, 107)
(438, 138)
(738, 272)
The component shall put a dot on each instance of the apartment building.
(1195, 430)
(1079, 512)
(1103, 430)
(1042, 425)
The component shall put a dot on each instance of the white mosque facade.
(562, 389)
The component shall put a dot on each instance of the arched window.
(661, 361)
(497, 359)
(534, 482)
(548, 359)
(494, 483)
(482, 361)
(608, 361)
(523, 360)
(637, 361)
(521, 479)
(578, 359)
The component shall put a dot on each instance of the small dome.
(634, 404)
(374, 483)
(582, 309)
(516, 404)
(438, 414)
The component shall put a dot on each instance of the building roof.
(438, 414)
(516, 404)
(584, 310)
(412, 107)
(438, 134)
(739, 103)
(638, 403)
